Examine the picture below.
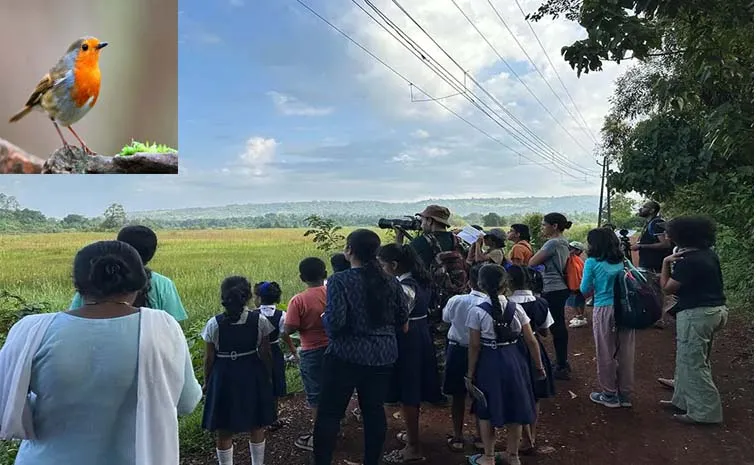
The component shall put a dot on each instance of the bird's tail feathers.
(20, 114)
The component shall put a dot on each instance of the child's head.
(235, 293)
(312, 270)
(267, 293)
(492, 280)
(108, 271)
(519, 277)
(142, 238)
(339, 262)
(495, 238)
(397, 260)
(603, 245)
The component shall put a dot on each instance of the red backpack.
(573, 272)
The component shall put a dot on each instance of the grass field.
(37, 267)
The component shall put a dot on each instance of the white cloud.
(259, 152)
(420, 134)
(291, 106)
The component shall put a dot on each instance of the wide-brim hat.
(436, 213)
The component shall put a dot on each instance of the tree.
(8, 202)
(491, 219)
(624, 211)
(325, 233)
(534, 221)
(115, 217)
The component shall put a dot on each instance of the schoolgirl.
(267, 295)
(498, 376)
(237, 373)
(415, 377)
(455, 313)
(537, 309)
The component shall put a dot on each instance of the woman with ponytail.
(498, 376)
(237, 373)
(159, 292)
(364, 309)
(415, 378)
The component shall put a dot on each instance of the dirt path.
(581, 432)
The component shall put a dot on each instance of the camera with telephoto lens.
(408, 223)
(625, 242)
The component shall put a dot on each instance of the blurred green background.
(138, 94)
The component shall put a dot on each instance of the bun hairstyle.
(491, 279)
(363, 245)
(268, 292)
(559, 220)
(408, 261)
(235, 293)
(108, 268)
(144, 240)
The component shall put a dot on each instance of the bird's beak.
(102, 45)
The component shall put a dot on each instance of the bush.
(736, 257)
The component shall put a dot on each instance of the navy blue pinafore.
(503, 376)
(537, 311)
(279, 365)
(239, 392)
(416, 376)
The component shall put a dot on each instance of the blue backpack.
(638, 300)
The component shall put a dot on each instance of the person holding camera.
(652, 246)
(435, 237)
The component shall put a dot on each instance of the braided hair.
(235, 293)
(491, 279)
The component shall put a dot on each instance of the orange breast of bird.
(86, 79)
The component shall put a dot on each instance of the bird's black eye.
(85, 47)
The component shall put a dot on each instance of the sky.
(274, 105)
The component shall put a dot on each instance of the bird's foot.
(87, 150)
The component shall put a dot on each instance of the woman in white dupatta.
(103, 383)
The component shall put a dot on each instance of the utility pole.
(608, 192)
(601, 194)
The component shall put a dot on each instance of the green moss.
(146, 147)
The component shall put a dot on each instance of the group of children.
(494, 352)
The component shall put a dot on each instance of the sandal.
(667, 383)
(401, 436)
(397, 456)
(513, 460)
(276, 425)
(305, 442)
(357, 414)
(473, 459)
(455, 444)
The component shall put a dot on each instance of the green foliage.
(144, 147)
(325, 234)
(491, 220)
(13, 308)
(115, 217)
(534, 221)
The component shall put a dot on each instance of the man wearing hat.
(434, 221)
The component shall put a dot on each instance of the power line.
(398, 74)
(435, 66)
(491, 46)
(534, 136)
(543, 49)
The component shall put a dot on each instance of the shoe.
(668, 405)
(667, 383)
(625, 401)
(578, 322)
(562, 373)
(607, 400)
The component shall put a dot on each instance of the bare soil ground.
(578, 431)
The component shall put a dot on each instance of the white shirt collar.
(268, 310)
(522, 292)
(404, 276)
(478, 293)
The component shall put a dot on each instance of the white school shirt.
(455, 312)
(408, 291)
(268, 311)
(264, 327)
(480, 320)
(520, 297)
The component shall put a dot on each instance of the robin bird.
(70, 89)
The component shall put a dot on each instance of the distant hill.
(461, 207)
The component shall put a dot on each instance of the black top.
(423, 248)
(651, 259)
(700, 278)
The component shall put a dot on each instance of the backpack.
(448, 272)
(637, 298)
(573, 272)
(536, 278)
(503, 328)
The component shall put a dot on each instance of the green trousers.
(695, 391)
